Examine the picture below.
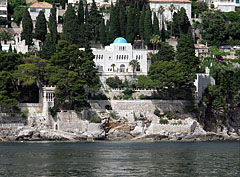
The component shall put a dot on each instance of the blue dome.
(120, 40)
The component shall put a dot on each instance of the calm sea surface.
(120, 159)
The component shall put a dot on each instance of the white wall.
(167, 13)
(120, 54)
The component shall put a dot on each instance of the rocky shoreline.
(34, 134)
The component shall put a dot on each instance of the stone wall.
(177, 107)
(117, 92)
(12, 118)
(31, 107)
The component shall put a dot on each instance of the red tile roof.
(197, 46)
(169, 1)
(41, 5)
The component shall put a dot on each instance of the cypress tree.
(15, 50)
(136, 20)
(10, 48)
(148, 26)
(94, 21)
(122, 20)
(183, 21)
(155, 24)
(52, 25)
(86, 27)
(130, 34)
(163, 32)
(113, 24)
(186, 51)
(80, 12)
(102, 33)
(41, 27)
(49, 48)
(70, 26)
(0, 46)
(107, 29)
(141, 23)
(27, 28)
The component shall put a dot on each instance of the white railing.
(12, 125)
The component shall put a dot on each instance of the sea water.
(103, 158)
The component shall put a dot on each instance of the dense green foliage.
(114, 82)
(165, 53)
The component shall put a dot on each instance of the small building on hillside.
(178, 4)
(201, 50)
(223, 5)
(4, 9)
(115, 59)
(35, 8)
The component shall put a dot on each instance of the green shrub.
(126, 97)
(113, 114)
(163, 121)
(179, 122)
(114, 82)
(94, 119)
(142, 97)
(157, 112)
(169, 115)
(99, 97)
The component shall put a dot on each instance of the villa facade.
(115, 59)
(167, 14)
(35, 8)
(223, 5)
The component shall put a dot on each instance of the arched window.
(122, 68)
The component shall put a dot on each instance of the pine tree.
(52, 25)
(141, 23)
(130, 34)
(27, 28)
(41, 27)
(80, 12)
(148, 26)
(10, 48)
(94, 21)
(113, 24)
(102, 33)
(70, 26)
(155, 24)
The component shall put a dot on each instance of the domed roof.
(120, 40)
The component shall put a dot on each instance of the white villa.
(114, 59)
(223, 5)
(35, 8)
(178, 4)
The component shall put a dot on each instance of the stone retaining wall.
(177, 107)
(31, 107)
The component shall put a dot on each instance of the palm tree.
(160, 11)
(171, 8)
(155, 40)
(113, 65)
(135, 64)
(5, 36)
